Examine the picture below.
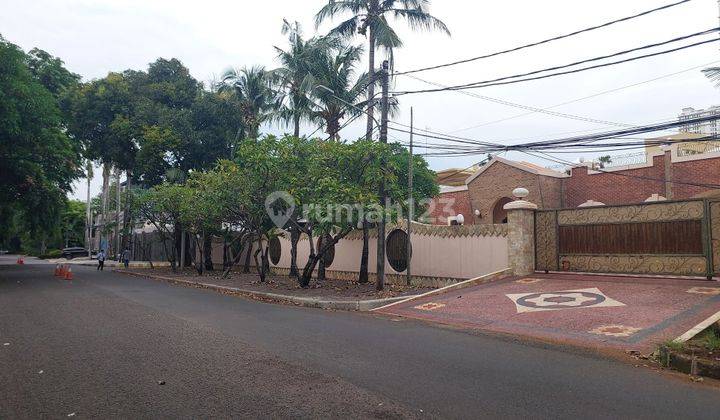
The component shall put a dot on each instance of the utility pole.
(380, 273)
(88, 212)
(117, 213)
(411, 203)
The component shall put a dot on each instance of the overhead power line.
(532, 109)
(518, 78)
(572, 101)
(586, 140)
(545, 41)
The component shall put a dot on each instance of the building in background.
(675, 171)
(708, 127)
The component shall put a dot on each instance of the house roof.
(523, 166)
(454, 177)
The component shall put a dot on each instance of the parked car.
(74, 251)
(3, 252)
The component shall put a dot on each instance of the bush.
(53, 253)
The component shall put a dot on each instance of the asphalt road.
(104, 342)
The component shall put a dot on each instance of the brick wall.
(623, 187)
(618, 187)
(705, 171)
(612, 188)
(499, 180)
(451, 204)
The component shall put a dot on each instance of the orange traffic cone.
(57, 270)
(69, 274)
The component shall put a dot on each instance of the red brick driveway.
(590, 311)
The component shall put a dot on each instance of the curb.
(487, 278)
(688, 364)
(692, 332)
(342, 305)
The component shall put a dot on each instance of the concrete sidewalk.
(310, 302)
(108, 263)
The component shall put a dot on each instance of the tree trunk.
(246, 269)
(296, 123)
(265, 263)
(259, 266)
(371, 86)
(236, 259)
(294, 239)
(363, 276)
(118, 251)
(207, 250)
(321, 262)
(199, 262)
(105, 194)
(127, 217)
(315, 257)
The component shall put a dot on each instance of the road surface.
(110, 345)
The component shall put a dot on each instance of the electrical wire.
(504, 80)
(545, 41)
(579, 99)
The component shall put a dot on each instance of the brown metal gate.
(678, 238)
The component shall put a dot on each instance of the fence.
(441, 255)
(678, 238)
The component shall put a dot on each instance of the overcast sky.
(94, 37)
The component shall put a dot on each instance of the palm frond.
(713, 73)
(419, 19)
(346, 29)
(385, 35)
(333, 8)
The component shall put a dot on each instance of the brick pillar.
(521, 234)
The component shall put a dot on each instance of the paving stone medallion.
(566, 299)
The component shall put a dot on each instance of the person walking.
(126, 257)
(101, 259)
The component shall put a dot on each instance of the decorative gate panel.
(652, 238)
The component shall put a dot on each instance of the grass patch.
(674, 345)
(710, 339)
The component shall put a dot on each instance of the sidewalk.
(108, 263)
(322, 302)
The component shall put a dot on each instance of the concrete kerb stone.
(321, 303)
(487, 278)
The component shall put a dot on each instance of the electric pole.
(380, 273)
(88, 212)
(411, 203)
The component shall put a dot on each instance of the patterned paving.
(594, 311)
(705, 290)
(567, 299)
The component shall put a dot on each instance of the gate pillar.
(521, 233)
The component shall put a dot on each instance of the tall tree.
(292, 77)
(370, 19)
(38, 160)
(102, 117)
(252, 87)
(336, 91)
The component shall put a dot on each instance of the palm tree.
(292, 78)
(713, 73)
(254, 93)
(370, 18)
(334, 93)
